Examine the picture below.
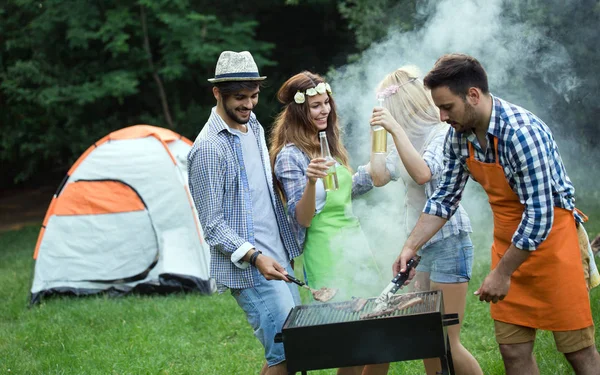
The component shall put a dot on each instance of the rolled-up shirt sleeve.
(434, 155)
(530, 152)
(206, 177)
(445, 200)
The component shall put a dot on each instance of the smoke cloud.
(511, 53)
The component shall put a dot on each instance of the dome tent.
(123, 221)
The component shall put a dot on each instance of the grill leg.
(447, 365)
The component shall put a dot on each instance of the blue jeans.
(448, 261)
(267, 305)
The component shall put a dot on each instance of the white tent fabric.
(158, 249)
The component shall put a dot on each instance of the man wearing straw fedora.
(244, 222)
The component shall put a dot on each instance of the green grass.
(177, 334)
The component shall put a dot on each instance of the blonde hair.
(294, 124)
(410, 104)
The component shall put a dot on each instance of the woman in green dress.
(336, 251)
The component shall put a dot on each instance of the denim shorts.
(448, 261)
(267, 305)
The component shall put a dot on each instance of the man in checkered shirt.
(244, 222)
(537, 278)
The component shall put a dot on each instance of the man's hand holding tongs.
(400, 263)
(266, 265)
(426, 227)
(270, 269)
(400, 279)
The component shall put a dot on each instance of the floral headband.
(391, 90)
(320, 89)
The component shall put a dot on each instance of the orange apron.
(548, 291)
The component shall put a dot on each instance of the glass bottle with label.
(330, 181)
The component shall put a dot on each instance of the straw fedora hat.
(236, 66)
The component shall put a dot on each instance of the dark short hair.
(458, 72)
(231, 87)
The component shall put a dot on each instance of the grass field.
(177, 334)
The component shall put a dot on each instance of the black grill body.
(321, 336)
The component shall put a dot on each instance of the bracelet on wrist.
(254, 256)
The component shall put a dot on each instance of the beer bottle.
(330, 181)
(379, 141)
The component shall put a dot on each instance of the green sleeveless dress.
(336, 251)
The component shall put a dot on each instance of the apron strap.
(472, 151)
(583, 216)
(496, 151)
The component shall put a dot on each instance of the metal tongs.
(383, 301)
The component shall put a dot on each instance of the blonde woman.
(410, 116)
(336, 253)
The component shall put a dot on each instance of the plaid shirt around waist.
(219, 186)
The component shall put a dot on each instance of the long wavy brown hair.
(294, 124)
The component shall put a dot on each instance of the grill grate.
(340, 312)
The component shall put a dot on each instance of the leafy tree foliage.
(73, 70)
(371, 20)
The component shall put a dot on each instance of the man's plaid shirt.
(532, 165)
(219, 185)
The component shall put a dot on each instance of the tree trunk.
(161, 89)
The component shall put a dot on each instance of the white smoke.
(509, 51)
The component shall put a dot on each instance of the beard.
(469, 119)
(232, 115)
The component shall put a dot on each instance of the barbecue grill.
(331, 335)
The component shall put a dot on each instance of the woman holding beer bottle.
(308, 158)
(408, 113)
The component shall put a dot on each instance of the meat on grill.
(394, 307)
(324, 294)
(359, 303)
(355, 305)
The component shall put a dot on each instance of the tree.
(371, 20)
